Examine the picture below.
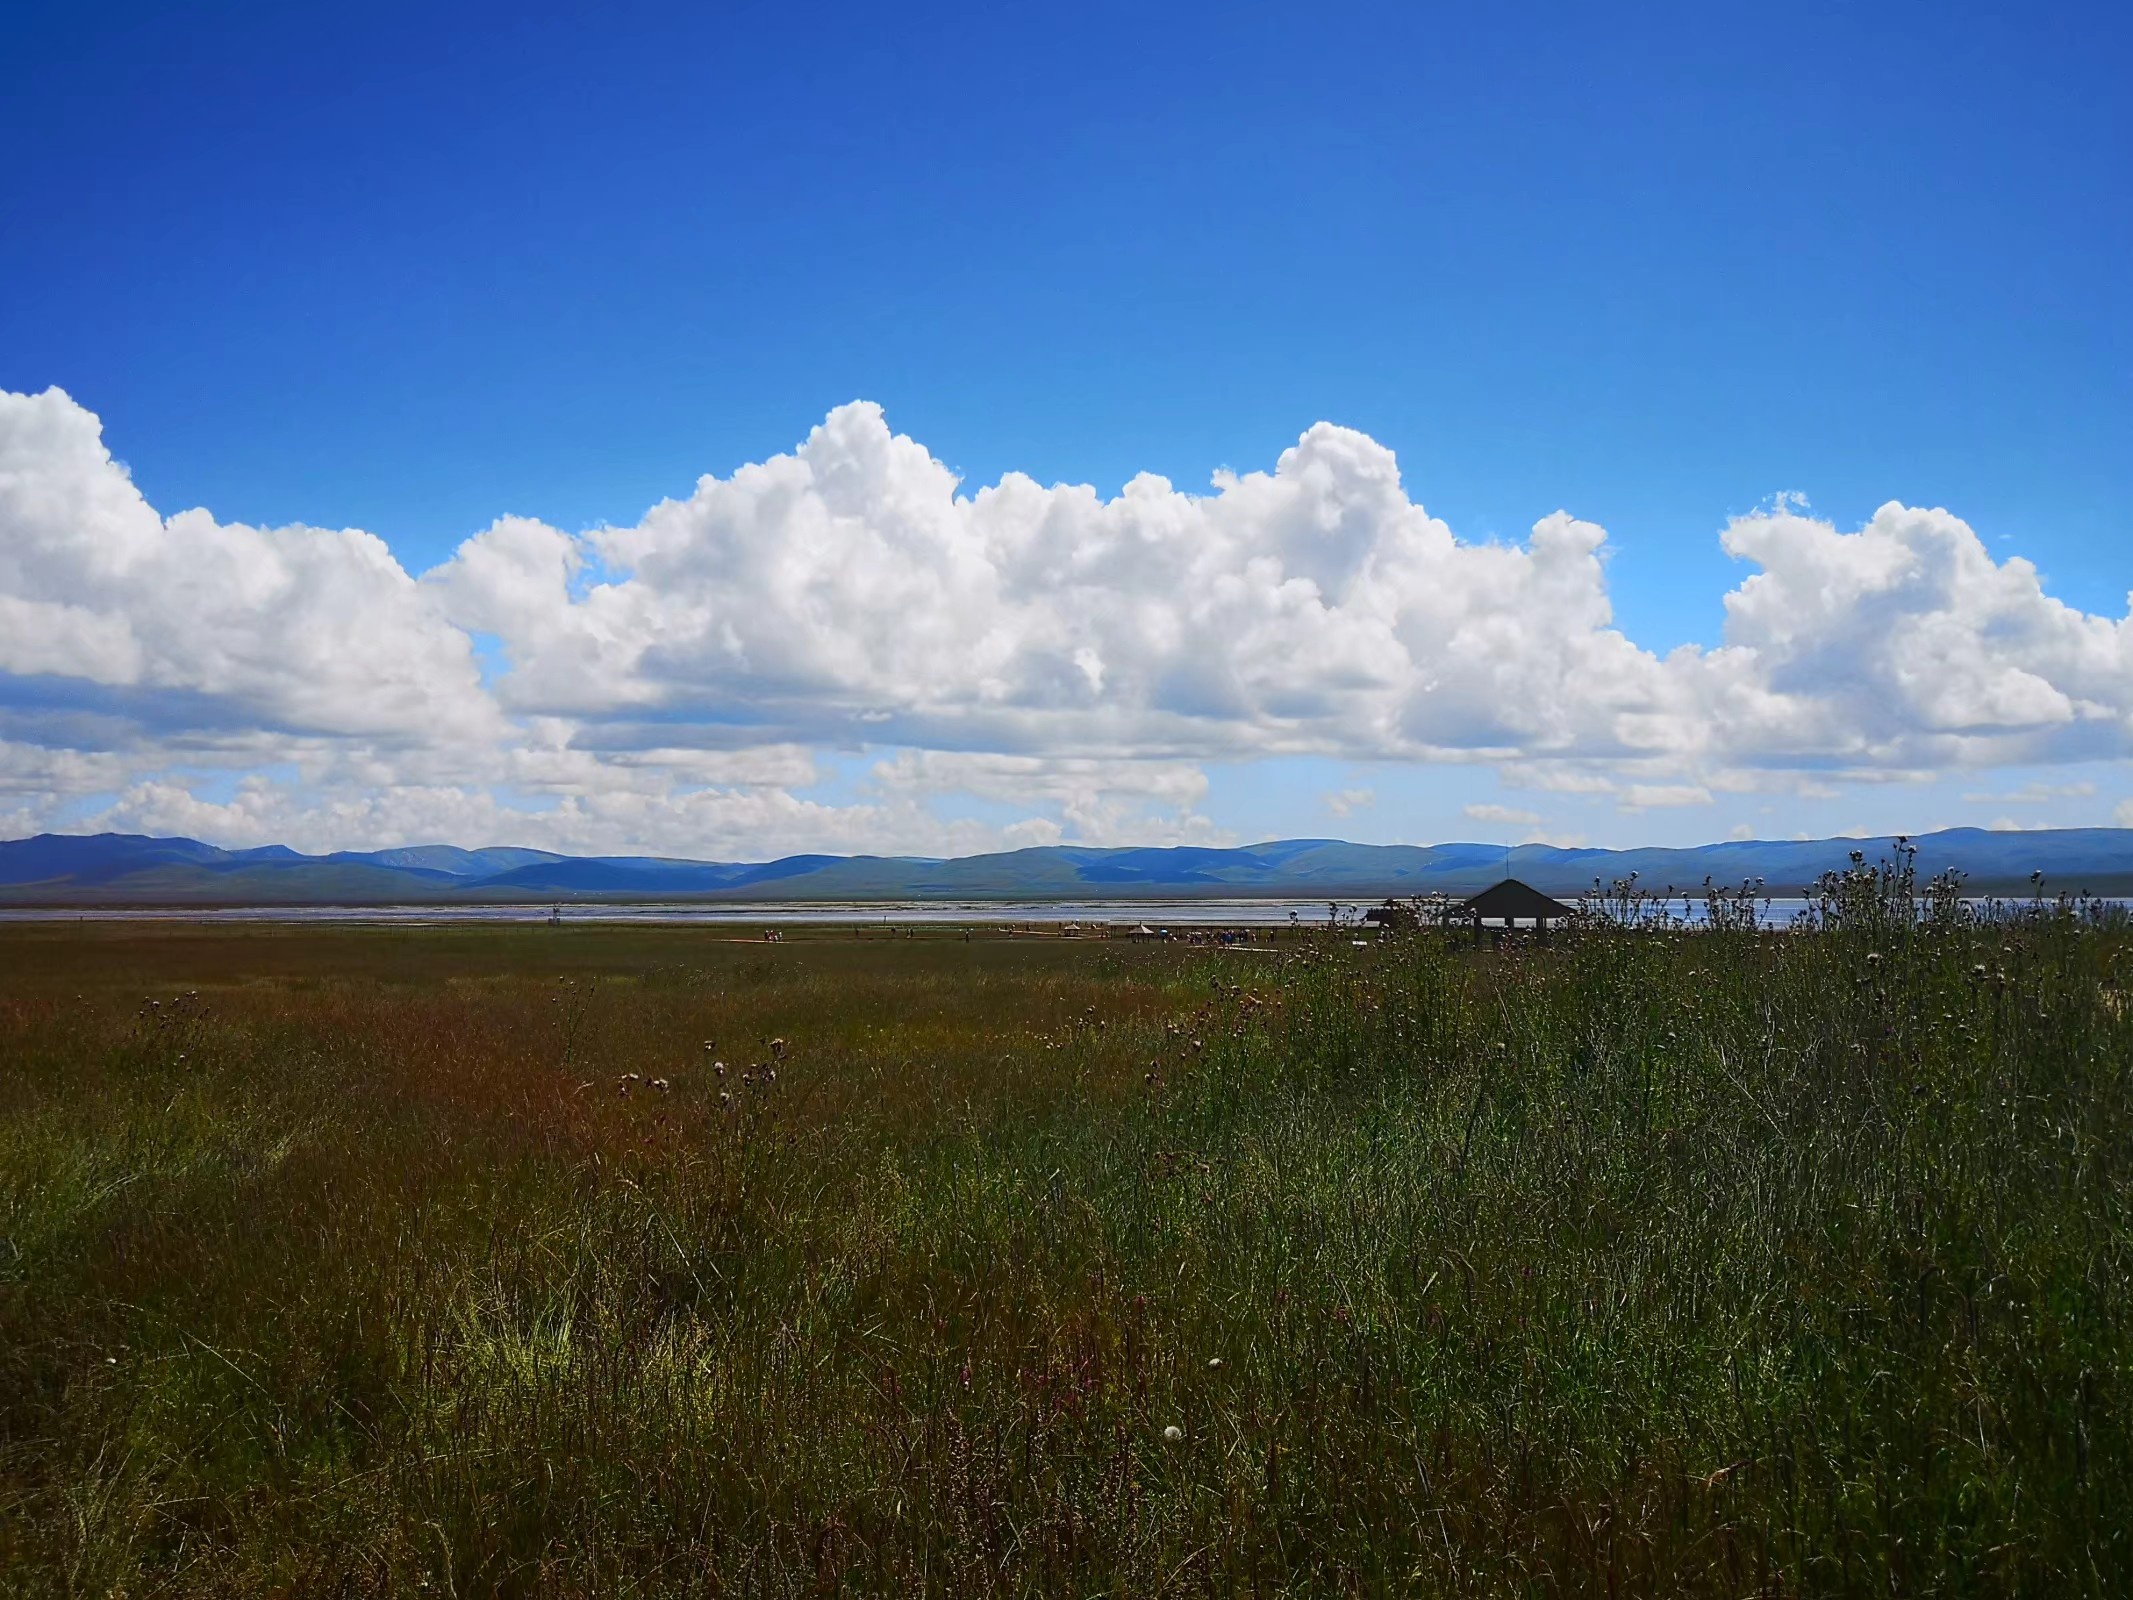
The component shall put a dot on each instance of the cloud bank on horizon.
(1065, 666)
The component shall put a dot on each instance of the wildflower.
(1174, 1434)
(1214, 1363)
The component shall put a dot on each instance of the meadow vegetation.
(358, 1262)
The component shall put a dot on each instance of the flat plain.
(654, 1261)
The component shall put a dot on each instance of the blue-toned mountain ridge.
(130, 869)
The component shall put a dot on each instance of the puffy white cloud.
(1067, 661)
(295, 629)
(1907, 642)
(850, 591)
(36, 770)
(1346, 802)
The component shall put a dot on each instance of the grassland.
(353, 1263)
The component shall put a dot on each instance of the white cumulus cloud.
(195, 623)
(1346, 802)
(1906, 642)
(1067, 662)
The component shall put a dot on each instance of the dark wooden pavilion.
(1511, 903)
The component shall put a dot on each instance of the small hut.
(1511, 902)
(1396, 916)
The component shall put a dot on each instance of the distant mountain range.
(128, 869)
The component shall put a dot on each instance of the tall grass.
(1727, 1262)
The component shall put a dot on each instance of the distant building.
(1511, 903)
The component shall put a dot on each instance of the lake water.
(1117, 914)
(958, 913)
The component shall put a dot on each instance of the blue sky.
(410, 269)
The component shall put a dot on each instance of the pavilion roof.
(1512, 898)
